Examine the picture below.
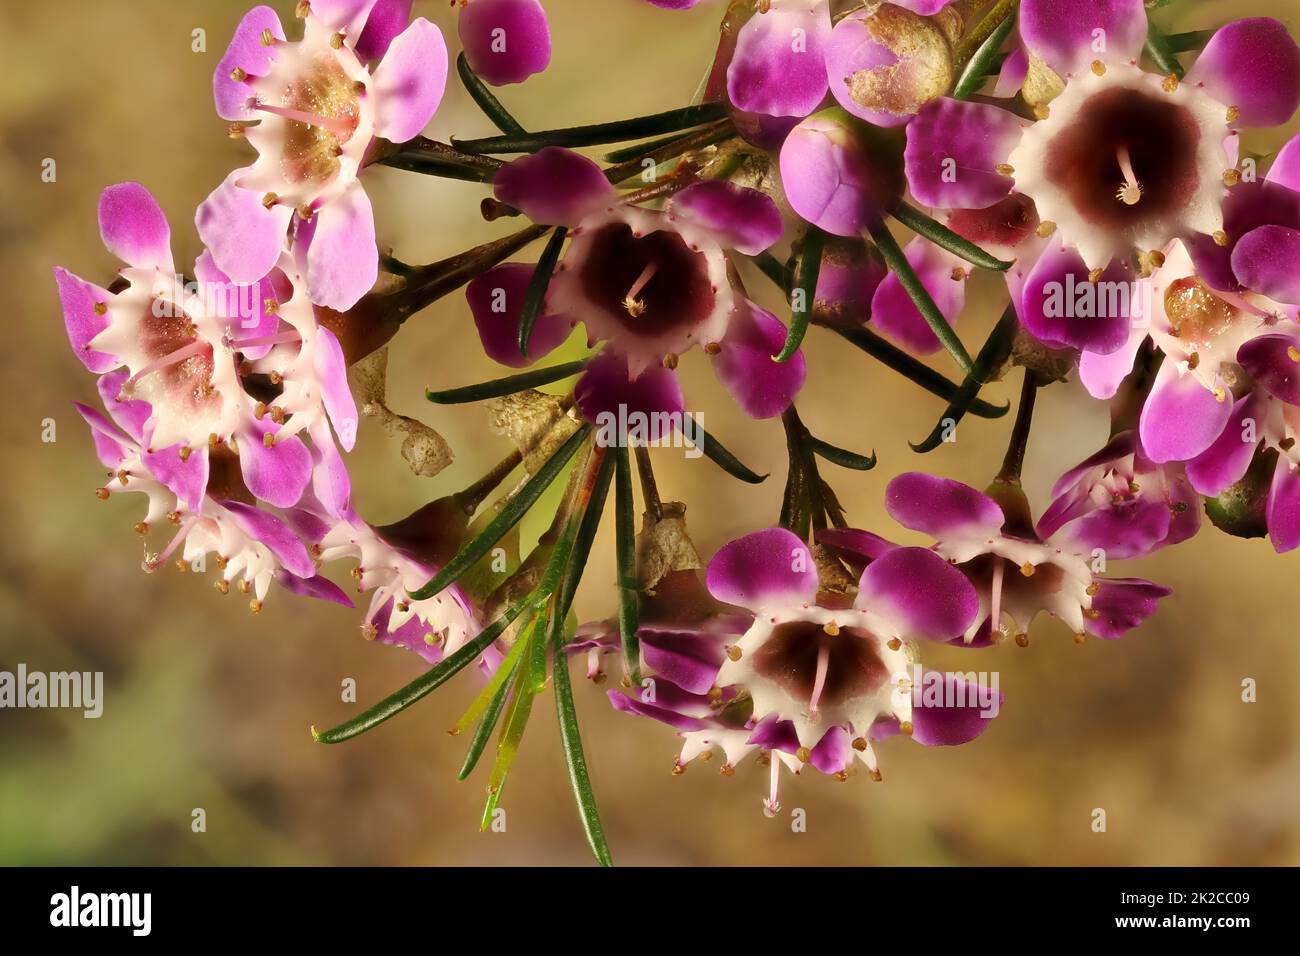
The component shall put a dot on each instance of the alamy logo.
(1102, 299)
(626, 428)
(37, 689)
(74, 908)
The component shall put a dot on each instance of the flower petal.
(275, 534)
(1102, 374)
(496, 298)
(606, 394)
(187, 478)
(505, 41)
(1284, 507)
(763, 569)
(342, 259)
(1253, 65)
(1226, 461)
(941, 507)
(409, 81)
(317, 586)
(1181, 417)
(762, 387)
(735, 216)
(953, 150)
(690, 660)
(277, 475)
(79, 299)
(134, 228)
(778, 67)
(332, 374)
(246, 53)
(243, 236)
(387, 19)
(1267, 260)
(1062, 307)
(919, 593)
(961, 714)
(553, 186)
(895, 314)
(1122, 604)
(1066, 33)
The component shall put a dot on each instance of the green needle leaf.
(483, 700)
(694, 433)
(512, 733)
(506, 518)
(598, 134)
(625, 556)
(1157, 47)
(995, 351)
(535, 298)
(429, 681)
(912, 368)
(486, 101)
(945, 238)
(841, 456)
(586, 534)
(574, 759)
(980, 64)
(508, 385)
(911, 283)
(491, 714)
(805, 290)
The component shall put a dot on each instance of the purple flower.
(813, 678)
(1120, 162)
(318, 107)
(649, 284)
(1120, 501)
(1018, 574)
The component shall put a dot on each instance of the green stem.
(914, 370)
(535, 298)
(508, 385)
(916, 291)
(996, 349)
(506, 518)
(599, 134)
(486, 100)
(423, 685)
(574, 758)
(1157, 47)
(945, 238)
(975, 39)
(982, 60)
(805, 291)
(625, 562)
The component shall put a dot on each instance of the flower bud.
(884, 63)
(842, 174)
(1241, 510)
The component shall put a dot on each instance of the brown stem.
(474, 494)
(1015, 456)
(649, 489)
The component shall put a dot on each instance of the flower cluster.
(1093, 161)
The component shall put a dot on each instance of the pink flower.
(318, 107)
(176, 347)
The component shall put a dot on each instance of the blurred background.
(208, 707)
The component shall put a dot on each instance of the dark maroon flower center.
(652, 285)
(798, 653)
(1127, 159)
